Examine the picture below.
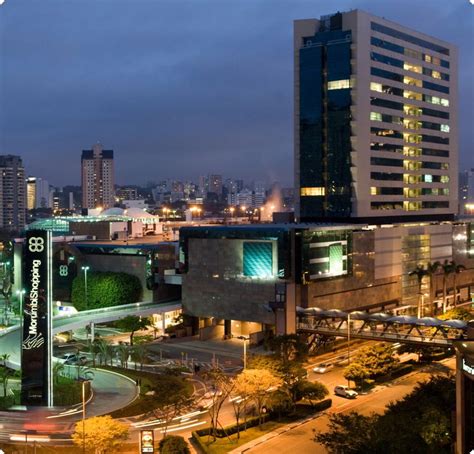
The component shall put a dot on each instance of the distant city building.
(12, 193)
(38, 193)
(97, 178)
(375, 121)
(215, 184)
(259, 194)
(126, 194)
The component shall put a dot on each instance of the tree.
(455, 270)
(370, 362)
(173, 395)
(5, 372)
(173, 444)
(105, 351)
(258, 384)
(457, 313)
(289, 348)
(420, 273)
(58, 369)
(101, 433)
(432, 270)
(123, 354)
(418, 423)
(221, 386)
(94, 348)
(311, 391)
(139, 355)
(132, 323)
(350, 433)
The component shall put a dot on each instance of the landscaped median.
(227, 438)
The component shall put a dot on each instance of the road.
(299, 439)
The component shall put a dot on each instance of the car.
(73, 359)
(322, 368)
(345, 391)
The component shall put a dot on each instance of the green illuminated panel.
(258, 259)
(335, 259)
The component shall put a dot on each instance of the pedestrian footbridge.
(427, 331)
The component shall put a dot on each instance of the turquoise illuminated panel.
(258, 259)
(335, 259)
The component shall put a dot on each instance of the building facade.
(38, 193)
(12, 193)
(97, 167)
(375, 121)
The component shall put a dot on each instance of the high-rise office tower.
(375, 121)
(38, 193)
(12, 193)
(215, 184)
(97, 178)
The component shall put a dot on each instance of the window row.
(409, 179)
(408, 109)
(382, 88)
(407, 205)
(409, 38)
(377, 42)
(409, 192)
(409, 165)
(408, 151)
(408, 123)
(401, 78)
(408, 80)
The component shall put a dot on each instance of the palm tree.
(456, 269)
(420, 272)
(58, 369)
(446, 270)
(433, 269)
(104, 350)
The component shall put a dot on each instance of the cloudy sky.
(177, 88)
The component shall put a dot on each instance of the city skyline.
(157, 94)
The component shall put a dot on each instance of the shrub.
(105, 290)
(173, 444)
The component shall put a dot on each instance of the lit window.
(436, 74)
(411, 67)
(445, 128)
(428, 58)
(428, 178)
(444, 179)
(376, 116)
(444, 102)
(373, 190)
(376, 87)
(313, 191)
(339, 84)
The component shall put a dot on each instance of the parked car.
(322, 368)
(345, 391)
(73, 359)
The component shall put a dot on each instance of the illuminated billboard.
(36, 383)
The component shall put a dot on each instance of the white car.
(322, 368)
(345, 391)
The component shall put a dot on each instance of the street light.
(84, 415)
(245, 339)
(348, 342)
(85, 269)
(20, 294)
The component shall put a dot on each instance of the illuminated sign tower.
(36, 348)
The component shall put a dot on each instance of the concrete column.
(227, 329)
(92, 331)
(163, 321)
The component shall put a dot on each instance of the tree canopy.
(102, 433)
(133, 323)
(173, 444)
(418, 423)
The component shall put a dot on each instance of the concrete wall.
(214, 285)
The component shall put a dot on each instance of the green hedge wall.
(105, 289)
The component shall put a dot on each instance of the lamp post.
(245, 339)
(20, 294)
(348, 343)
(84, 415)
(85, 269)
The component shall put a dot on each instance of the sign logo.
(32, 342)
(63, 270)
(36, 244)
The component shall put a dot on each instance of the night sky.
(177, 88)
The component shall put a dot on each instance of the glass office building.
(375, 121)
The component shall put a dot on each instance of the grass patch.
(148, 382)
(67, 391)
